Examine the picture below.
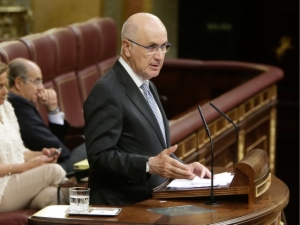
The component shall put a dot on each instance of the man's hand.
(199, 170)
(48, 98)
(167, 167)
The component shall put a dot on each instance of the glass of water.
(79, 200)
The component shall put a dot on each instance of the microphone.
(236, 129)
(212, 200)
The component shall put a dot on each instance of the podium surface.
(232, 210)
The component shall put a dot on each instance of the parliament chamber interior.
(242, 56)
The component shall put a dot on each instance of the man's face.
(3, 87)
(144, 64)
(32, 84)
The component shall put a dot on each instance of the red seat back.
(10, 50)
(42, 51)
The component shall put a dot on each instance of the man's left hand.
(198, 170)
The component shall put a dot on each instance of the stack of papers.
(220, 179)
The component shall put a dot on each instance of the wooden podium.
(232, 210)
(252, 177)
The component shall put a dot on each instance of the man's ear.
(18, 83)
(126, 47)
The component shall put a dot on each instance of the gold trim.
(261, 188)
(190, 141)
(257, 142)
(241, 145)
(272, 147)
(229, 165)
(238, 114)
(202, 137)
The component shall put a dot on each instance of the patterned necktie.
(150, 99)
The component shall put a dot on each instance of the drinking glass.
(79, 200)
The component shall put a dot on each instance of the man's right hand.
(48, 98)
(167, 167)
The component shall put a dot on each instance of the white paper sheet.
(220, 179)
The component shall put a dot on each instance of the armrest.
(72, 141)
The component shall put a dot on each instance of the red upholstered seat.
(10, 50)
(65, 43)
(108, 50)
(66, 83)
(108, 29)
(72, 59)
(106, 64)
(43, 52)
(87, 78)
(69, 98)
(18, 217)
(89, 41)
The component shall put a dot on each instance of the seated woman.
(27, 178)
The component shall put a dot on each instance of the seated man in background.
(27, 178)
(26, 89)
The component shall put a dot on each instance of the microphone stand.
(212, 200)
(236, 129)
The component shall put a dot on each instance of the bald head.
(139, 23)
(144, 41)
(20, 67)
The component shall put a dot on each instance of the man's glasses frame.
(36, 82)
(152, 49)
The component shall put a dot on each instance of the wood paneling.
(57, 13)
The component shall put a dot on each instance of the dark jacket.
(35, 133)
(121, 133)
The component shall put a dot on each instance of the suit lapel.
(135, 95)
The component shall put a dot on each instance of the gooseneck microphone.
(236, 129)
(212, 200)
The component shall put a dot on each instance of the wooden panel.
(249, 101)
(62, 13)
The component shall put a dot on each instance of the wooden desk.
(232, 210)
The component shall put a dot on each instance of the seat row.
(71, 59)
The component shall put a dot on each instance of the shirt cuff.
(57, 118)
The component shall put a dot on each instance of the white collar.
(137, 79)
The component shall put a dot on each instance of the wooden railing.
(249, 99)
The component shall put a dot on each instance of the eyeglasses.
(151, 50)
(36, 82)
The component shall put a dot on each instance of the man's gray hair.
(129, 31)
(16, 69)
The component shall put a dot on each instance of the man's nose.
(159, 54)
(40, 86)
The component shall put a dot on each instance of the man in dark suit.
(126, 129)
(26, 89)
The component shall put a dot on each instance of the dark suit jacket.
(35, 133)
(121, 133)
